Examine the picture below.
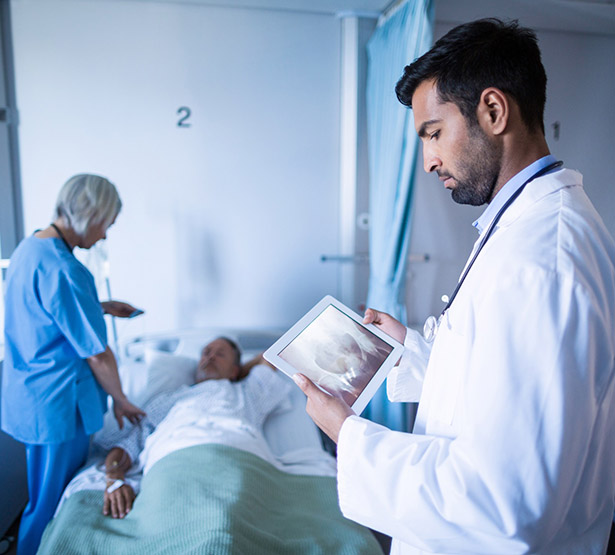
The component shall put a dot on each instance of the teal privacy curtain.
(400, 38)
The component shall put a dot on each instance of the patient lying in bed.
(216, 495)
(227, 404)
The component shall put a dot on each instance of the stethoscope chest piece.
(430, 328)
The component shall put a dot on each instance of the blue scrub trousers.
(50, 468)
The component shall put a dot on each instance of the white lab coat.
(512, 449)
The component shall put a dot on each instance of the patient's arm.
(117, 502)
(245, 368)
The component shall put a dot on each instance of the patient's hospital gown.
(213, 411)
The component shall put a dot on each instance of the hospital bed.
(211, 498)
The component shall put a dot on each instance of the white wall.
(223, 222)
(580, 92)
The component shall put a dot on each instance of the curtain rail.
(362, 258)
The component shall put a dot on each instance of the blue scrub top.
(53, 321)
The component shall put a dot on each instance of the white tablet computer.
(340, 354)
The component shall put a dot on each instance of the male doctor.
(512, 449)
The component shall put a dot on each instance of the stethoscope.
(61, 236)
(432, 323)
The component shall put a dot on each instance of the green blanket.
(213, 499)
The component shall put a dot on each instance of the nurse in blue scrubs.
(58, 368)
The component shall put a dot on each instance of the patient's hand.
(118, 503)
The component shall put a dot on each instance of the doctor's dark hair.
(477, 55)
(87, 200)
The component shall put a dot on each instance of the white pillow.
(192, 346)
(167, 372)
(133, 377)
(160, 371)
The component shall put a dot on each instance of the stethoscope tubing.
(431, 325)
(492, 225)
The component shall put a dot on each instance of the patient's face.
(217, 362)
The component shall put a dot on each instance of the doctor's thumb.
(371, 316)
(302, 382)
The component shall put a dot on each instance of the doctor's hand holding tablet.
(338, 359)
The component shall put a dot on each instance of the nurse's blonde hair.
(87, 200)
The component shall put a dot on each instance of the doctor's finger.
(371, 316)
(386, 323)
(327, 412)
(307, 386)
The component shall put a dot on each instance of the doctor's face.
(463, 156)
(218, 362)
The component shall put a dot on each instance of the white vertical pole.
(348, 154)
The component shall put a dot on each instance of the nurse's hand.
(118, 503)
(123, 408)
(386, 323)
(327, 412)
(118, 308)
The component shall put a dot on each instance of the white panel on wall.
(579, 118)
(224, 220)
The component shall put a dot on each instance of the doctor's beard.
(479, 169)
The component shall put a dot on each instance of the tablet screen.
(338, 354)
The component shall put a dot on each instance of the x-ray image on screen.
(336, 353)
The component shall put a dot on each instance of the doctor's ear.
(493, 111)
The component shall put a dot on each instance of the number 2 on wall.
(185, 112)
